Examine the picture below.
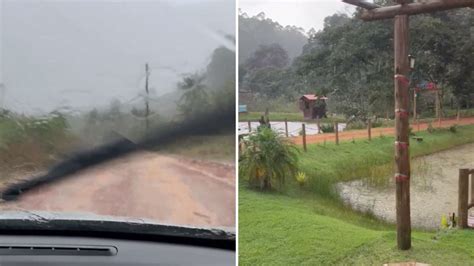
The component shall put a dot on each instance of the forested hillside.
(260, 30)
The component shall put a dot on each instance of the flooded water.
(434, 189)
(294, 128)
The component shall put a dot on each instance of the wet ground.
(434, 189)
(162, 188)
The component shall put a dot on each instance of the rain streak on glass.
(77, 75)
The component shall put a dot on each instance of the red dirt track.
(144, 185)
(363, 134)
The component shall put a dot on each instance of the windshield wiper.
(209, 123)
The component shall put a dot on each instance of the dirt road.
(144, 185)
(363, 134)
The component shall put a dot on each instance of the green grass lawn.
(275, 229)
(312, 227)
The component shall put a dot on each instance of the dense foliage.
(351, 62)
(260, 30)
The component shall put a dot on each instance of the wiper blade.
(210, 123)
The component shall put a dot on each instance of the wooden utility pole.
(402, 156)
(147, 105)
(400, 14)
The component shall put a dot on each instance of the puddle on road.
(434, 189)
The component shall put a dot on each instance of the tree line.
(351, 62)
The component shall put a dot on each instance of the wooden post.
(414, 106)
(319, 126)
(250, 126)
(472, 187)
(286, 127)
(438, 109)
(336, 130)
(402, 160)
(463, 197)
(304, 137)
(402, 157)
(147, 91)
(369, 130)
(458, 115)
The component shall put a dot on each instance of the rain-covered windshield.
(77, 75)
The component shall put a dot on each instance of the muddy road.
(166, 189)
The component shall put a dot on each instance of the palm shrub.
(268, 160)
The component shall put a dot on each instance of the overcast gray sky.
(302, 13)
(84, 53)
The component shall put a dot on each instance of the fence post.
(369, 130)
(319, 126)
(472, 186)
(336, 130)
(463, 197)
(250, 126)
(286, 127)
(458, 116)
(304, 137)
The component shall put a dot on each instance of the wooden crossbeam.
(413, 9)
(363, 4)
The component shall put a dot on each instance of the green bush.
(453, 128)
(356, 125)
(377, 124)
(268, 160)
(327, 128)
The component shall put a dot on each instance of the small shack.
(313, 106)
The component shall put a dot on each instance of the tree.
(221, 68)
(354, 60)
(268, 160)
(195, 99)
(260, 30)
(267, 56)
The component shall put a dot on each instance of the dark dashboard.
(65, 250)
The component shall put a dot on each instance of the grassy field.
(281, 230)
(216, 147)
(312, 227)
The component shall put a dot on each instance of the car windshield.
(76, 76)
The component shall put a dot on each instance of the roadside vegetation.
(32, 143)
